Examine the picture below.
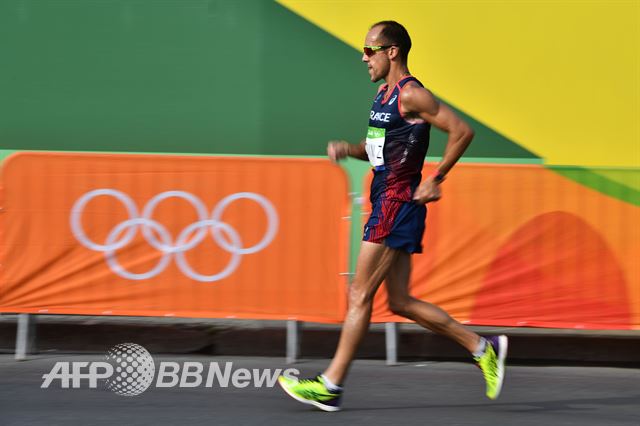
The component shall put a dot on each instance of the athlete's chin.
(372, 75)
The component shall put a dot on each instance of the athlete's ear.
(393, 52)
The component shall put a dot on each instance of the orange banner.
(524, 246)
(157, 235)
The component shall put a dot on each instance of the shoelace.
(308, 381)
(493, 366)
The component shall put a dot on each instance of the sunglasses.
(371, 50)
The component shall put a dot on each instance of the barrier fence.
(523, 245)
(157, 235)
(266, 238)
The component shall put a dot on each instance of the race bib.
(375, 146)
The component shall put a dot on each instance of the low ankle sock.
(482, 346)
(330, 385)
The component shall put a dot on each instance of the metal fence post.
(391, 339)
(293, 340)
(25, 336)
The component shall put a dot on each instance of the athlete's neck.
(395, 75)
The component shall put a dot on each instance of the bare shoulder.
(416, 98)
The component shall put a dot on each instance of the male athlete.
(397, 140)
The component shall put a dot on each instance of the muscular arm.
(418, 102)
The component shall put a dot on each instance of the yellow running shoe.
(312, 392)
(492, 364)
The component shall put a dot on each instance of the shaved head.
(392, 32)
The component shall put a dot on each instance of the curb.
(79, 334)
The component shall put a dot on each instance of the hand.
(427, 192)
(337, 150)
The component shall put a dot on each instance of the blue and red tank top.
(396, 147)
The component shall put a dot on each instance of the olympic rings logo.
(189, 237)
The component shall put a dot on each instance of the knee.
(359, 298)
(401, 307)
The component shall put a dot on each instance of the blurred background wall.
(195, 76)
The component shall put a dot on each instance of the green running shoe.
(492, 364)
(312, 392)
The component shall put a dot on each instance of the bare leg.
(426, 314)
(372, 267)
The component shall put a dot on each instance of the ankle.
(330, 384)
(480, 348)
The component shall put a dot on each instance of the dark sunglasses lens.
(368, 51)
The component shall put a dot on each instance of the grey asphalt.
(422, 393)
